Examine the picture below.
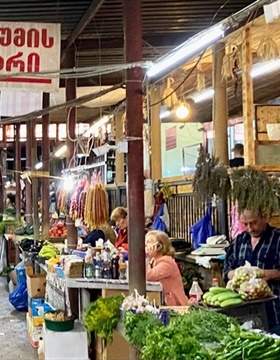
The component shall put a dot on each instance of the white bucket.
(273, 131)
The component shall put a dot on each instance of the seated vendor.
(119, 216)
(260, 246)
(163, 268)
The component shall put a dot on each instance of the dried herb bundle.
(210, 177)
(255, 190)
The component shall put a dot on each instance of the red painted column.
(28, 188)
(134, 113)
(46, 168)
(18, 169)
(70, 88)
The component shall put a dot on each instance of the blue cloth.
(158, 223)
(266, 255)
(202, 229)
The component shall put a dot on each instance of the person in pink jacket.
(163, 268)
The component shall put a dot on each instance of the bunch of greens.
(138, 326)
(103, 315)
(206, 326)
(170, 343)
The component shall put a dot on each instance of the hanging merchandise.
(267, 49)
(96, 211)
(78, 199)
(200, 80)
(231, 63)
(170, 100)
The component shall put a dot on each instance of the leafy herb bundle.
(103, 315)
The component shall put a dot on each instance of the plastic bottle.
(97, 267)
(115, 267)
(195, 291)
(122, 268)
(88, 265)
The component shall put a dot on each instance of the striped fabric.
(266, 255)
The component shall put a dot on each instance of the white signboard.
(28, 48)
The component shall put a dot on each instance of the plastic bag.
(19, 298)
(158, 223)
(202, 229)
(245, 273)
(255, 289)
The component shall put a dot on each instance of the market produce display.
(48, 251)
(222, 297)
(56, 316)
(58, 229)
(248, 345)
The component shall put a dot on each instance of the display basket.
(57, 325)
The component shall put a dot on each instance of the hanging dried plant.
(171, 100)
(267, 49)
(200, 80)
(211, 177)
(255, 190)
(231, 63)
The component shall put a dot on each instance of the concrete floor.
(14, 344)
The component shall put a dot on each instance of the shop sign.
(26, 48)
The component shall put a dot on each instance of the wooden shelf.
(268, 142)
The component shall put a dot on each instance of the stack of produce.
(248, 282)
(48, 251)
(96, 211)
(221, 297)
(58, 230)
(248, 345)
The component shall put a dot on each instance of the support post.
(155, 135)
(46, 168)
(34, 184)
(18, 169)
(70, 88)
(135, 166)
(2, 172)
(248, 99)
(120, 178)
(28, 189)
(220, 121)
(134, 113)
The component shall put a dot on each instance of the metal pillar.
(18, 169)
(46, 168)
(220, 121)
(28, 189)
(70, 88)
(134, 113)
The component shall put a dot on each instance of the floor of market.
(14, 344)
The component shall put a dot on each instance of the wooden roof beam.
(84, 21)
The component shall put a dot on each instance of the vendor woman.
(163, 268)
(119, 217)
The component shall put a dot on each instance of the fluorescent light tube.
(203, 95)
(60, 151)
(265, 68)
(187, 50)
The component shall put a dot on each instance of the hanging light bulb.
(182, 111)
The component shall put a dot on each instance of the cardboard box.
(36, 286)
(35, 333)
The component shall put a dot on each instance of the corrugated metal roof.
(166, 23)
